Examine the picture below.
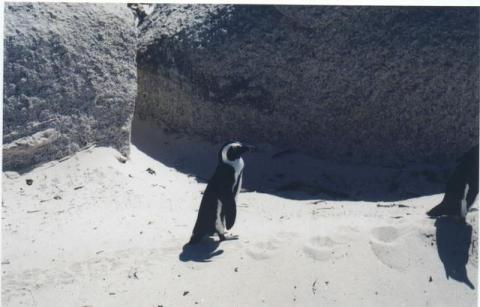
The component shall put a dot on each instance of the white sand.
(92, 231)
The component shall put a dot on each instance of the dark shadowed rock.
(69, 80)
(381, 85)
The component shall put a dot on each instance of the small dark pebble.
(185, 293)
(111, 293)
(78, 188)
(29, 181)
(151, 171)
(236, 269)
(56, 197)
(431, 279)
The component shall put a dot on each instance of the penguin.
(218, 210)
(462, 188)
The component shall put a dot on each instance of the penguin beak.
(247, 148)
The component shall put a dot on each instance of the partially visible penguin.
(462, 187)
(218, 208)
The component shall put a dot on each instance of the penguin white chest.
(463, 210)
(239, 186)
(219, 222)
(238, 168)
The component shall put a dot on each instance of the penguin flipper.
(230, 209)
(230, 217)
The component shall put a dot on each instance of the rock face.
(379, 85)
(69, 80)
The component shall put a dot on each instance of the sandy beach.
(97, 230)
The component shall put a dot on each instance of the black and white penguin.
(218, 208)
(462, 188)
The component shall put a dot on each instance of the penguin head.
(233, 151)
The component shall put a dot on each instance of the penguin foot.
(440, 210)
(459, 219)
(228, 238)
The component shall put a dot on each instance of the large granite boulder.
(378, 85)
(69, 80)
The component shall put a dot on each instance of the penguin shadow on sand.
(453, 243)
(454, 235)
(203, 252)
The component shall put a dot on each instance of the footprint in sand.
(322, 248)
(265, 250)
(389, 247)
(286, 236)
(385, 234)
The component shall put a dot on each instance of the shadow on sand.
(201, 252)
(289, 173)
(453, 242)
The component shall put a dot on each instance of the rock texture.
(69, 80)
(380, 85)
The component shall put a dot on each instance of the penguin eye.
(232, 153)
